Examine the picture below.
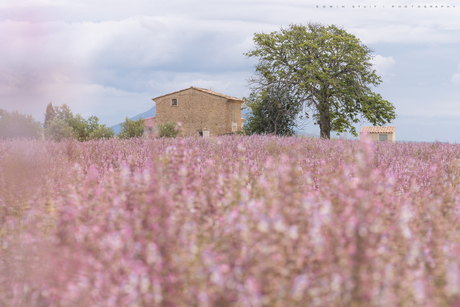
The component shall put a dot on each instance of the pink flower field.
(229, 221)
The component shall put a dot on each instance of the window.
(383, 137)
(174, 102)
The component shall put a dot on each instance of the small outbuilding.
(382, 133)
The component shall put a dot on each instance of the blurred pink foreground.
(229, 221)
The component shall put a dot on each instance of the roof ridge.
(378, 129)
(214, 93)
(202, 90)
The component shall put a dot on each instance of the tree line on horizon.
(60, 123)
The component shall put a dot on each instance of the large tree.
(329, 71)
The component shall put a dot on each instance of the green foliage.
(63, 112)
(329, 71)
(57, 130)
(168, 130)
(17, 125)
(49, 115)
(273, 111)
(102, 132)
(92, 124)
(131, 128)
(83, 128)
(80, 128)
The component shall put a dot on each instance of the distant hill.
(150, 113)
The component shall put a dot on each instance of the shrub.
(131, 128)
(168, 130)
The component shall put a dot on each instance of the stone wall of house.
(231, 106)
(197, 110)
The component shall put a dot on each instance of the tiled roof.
(381, 129)
(204, 91)
(215, 93)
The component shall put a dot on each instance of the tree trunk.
(325, 121)
(325, 133)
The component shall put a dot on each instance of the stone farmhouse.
(383, 133)
(201, 111)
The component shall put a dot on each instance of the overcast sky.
(110, 57)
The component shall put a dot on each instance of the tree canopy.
(274, 110)
(329, 72)
(102, 132)
(17, 125)
(57, 129)
(50, 114)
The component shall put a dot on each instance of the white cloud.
(383, 65)
(232, 83)
(455, 79)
